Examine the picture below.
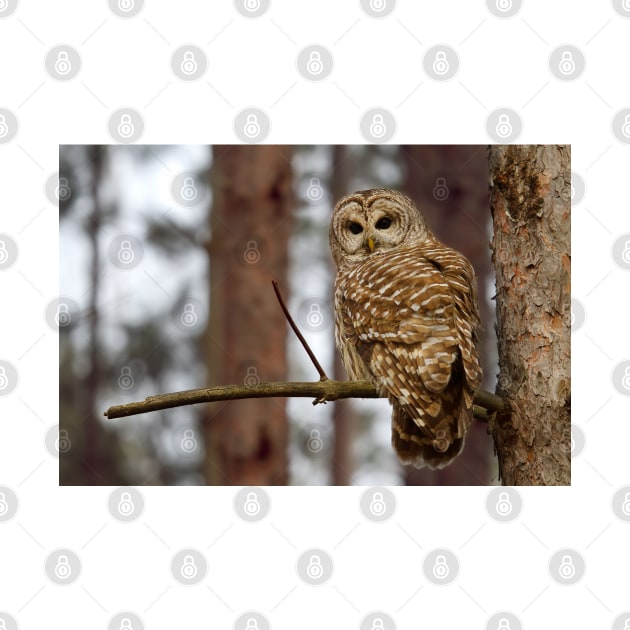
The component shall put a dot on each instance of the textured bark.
(460, 219)
(250, 225)
(531, 205)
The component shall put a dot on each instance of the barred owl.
(406, 318)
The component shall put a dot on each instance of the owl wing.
(406, 312)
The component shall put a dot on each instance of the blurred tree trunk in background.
(450, 186)
(531, 207)
(344, 416)
(92, 460)
(252, 206)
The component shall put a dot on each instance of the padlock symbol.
(126, 5)
(314, 317)
(314, 569)
(377, 624)
(252, 624)
(125, 624)
(125, 254)
(62, 316)
(440, 190)
(4, 381)
(567, 63)
(4, 506)
(504, 127)
(125, 126)
(377, 127)
(625, 128)
(440, 568)
(4, 254)
(378, 5)
(125, 505)
(625, 381)
(377, 504)
(626, 623)
(625, 254)
(567, 568)
(189, 64)
(252, 378)
(63, 570)
(625, 506)
(314, 65)
(189, 442)
(125, 380)
(63, 443)
(252, 255)
(252, 5)
(189, 191)
(503, 624)
(504, 5)
(189, 568)
(252, 505)
(252, 126)
(62, 65)
(440, 63)
(315, 442)
(4, 128)
(315, 191)
(504, 505)
(189, 316)
(62, 191)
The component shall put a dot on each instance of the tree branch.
(321, 391)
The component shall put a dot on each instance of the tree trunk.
(450, 186)
(92, 461)
(245, 342)
(531, 205)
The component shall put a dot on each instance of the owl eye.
(355, 228)
(383, 223)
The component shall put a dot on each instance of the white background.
(377, 63)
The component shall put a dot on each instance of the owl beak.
(370, 243)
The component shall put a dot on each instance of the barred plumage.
(407, 319)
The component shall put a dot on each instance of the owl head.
(371, 222)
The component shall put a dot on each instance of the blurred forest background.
(167, 254)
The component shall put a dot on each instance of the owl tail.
(413, 447)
